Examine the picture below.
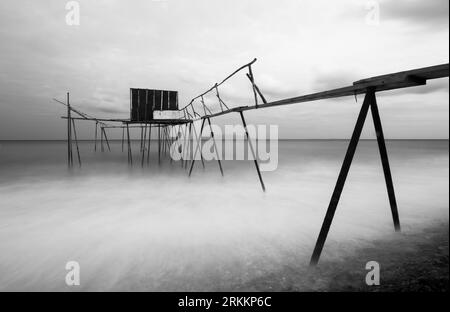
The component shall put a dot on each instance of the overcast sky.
(187, 45)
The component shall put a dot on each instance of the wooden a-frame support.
(369, 102)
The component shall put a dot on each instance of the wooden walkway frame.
(369, 87)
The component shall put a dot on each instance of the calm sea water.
(153, 228)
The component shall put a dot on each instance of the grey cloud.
(433, 13)
(112, 110)
(335, 80)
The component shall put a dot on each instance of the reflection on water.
(156, 229)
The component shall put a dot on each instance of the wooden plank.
(431, 72)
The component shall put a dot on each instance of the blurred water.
(153, 228)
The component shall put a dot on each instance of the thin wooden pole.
(255, 87)
(159, 143)
(196, 147)
(143, 146)
(95, 140)
(188, 145)
(215, 146)
(170, 142)
(200, 143)
(169, 139)
(106, 139)
(183, 131)
(69, 134)
(76, 142)
(183, 149)
(123, 136)
(101, 139)
(130, 156)
(163, 137)
(250, 74)
(142, 135)
(149, 143)
(253, 152)
(385, 161)
(165, 140)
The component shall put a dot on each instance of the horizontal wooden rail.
(393, 81)
(399, 80)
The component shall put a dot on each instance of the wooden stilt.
(143, 146)
(250, 76)
(164, 140)
(199, 141)
(123, 137)
(184, 148)
(149, 143)
(69, 134)
(215, 146)
(170, 142)
(95, 140)
(130, 156)
(106, 139)
(196, 148)
(385, 161)
(101, 139)
(253, 151)
(159, 143)
(188, 144)
(179, 138)
(142, 136)
(76, 142)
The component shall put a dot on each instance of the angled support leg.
(69, 135)
(188, 144)
(76, 141)
(253, 151)
(341, 181)
(159, 144)
(101, 139)
(385, 162)
(123, 137)
(369, 101)
(184, 148)
(149, 143)
(144, 142)
(142, 136)
(215, 146)
(130, 156)
(106, 139)
(198, 147)
(95, 140)
(199, 137)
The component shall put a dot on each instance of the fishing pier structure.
(147, 107)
